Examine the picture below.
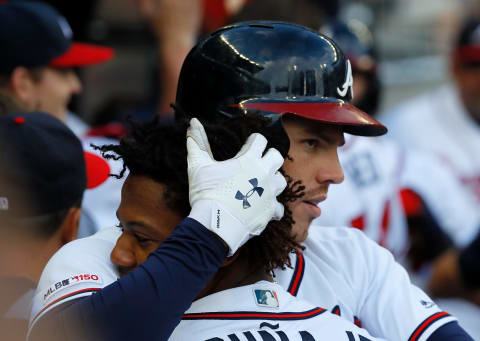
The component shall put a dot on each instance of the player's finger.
(279, 211)
(255, 145)
(273, 160)
(195, 154)
(279, 183)
(197, 133)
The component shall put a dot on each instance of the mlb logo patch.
(3, 204)
(266, 298)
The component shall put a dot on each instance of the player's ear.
(69, 228)
(22, 84)
(230, 260)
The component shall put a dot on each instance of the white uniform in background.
(99, 204)
(438, 122)
(368, 199)
(376, 170)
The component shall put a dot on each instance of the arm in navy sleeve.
(450, 332)
(469, 264)
(147, 303)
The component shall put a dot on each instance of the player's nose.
(329, 170)
(123, 254)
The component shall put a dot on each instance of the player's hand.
(235, 198)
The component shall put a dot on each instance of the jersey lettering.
(351, 337)
(361, 169)
(81, 278)
(264, 335)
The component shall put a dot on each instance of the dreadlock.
(159, 152)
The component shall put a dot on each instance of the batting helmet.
(356, 41)
(273, 68)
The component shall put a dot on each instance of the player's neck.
(24, 257)
(237, 274)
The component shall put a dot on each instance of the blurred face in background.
(46, 89)
(468, 82)
(53, 90)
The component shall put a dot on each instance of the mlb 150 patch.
(80, 278)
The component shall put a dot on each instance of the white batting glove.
(235, 198)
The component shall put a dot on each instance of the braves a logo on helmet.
(256, 188)
(348, 82)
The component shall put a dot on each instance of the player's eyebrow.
(329, 138)
(135, 224)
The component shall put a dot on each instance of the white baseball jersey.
(78, 269)
(350, 275)
(262, 311)
(438, 122)
(449, 202)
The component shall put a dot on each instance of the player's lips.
(312, 206)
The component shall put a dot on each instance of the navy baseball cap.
(43, 165)
(34, 34)
(467, 49)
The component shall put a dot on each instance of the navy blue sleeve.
(469, 263)
(450, 332)
(147, 303)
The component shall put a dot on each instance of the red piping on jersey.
(357, 322)
(61, 298)
(254, 315)
(297, 274)
(425, 324)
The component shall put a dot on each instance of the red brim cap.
(97, 170)
(353, 120)
(80, 54)
(468, 54)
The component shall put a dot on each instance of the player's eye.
(120, 226)
(141, 240)
(311, 143)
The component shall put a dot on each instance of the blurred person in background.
(37, 73)
(402, 199)
(446, 121)
(42, 181)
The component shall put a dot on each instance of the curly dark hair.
(158, 151)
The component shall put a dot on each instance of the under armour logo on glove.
(255, 188)
(215, 187)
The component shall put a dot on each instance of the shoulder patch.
(68, 282)
(266, 298)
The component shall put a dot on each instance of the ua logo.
(348, 82)
(240, 196)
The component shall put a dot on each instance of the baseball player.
(68, 277)
(445, 121)
(382, 180)
(154, 199)
(37, 74)
(302, 82)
